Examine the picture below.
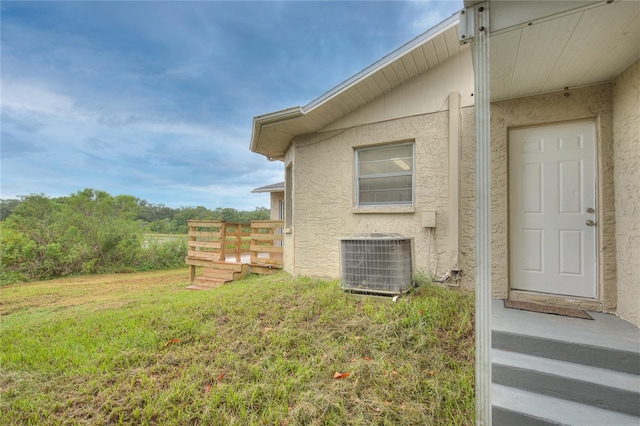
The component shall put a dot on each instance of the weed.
(138, 348)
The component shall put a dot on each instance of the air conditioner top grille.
(375, 236)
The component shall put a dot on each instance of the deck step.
(216, 274)
(227, 266)
(209, 282)
(212, 280)
(199, 287)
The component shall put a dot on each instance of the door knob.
(591, 223)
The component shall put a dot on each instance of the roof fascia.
(292, 113)
(275, 187)
(271, 118)
(386, 60)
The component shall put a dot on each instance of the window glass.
(385, 174)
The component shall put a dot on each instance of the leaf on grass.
(220, 377)
(337, 375)
(171, 342)
(431, 372)
(366, 358)
(208, 388)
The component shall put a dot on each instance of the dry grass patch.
(260, 351)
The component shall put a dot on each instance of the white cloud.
(23, 97)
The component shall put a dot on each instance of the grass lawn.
(140, 349)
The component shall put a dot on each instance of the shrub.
(87, 232)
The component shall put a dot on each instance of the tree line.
(92, 231)
(152, 217)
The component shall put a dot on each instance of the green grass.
(139, 349)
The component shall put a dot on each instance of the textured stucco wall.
(324, 193)
(626, 150)
(276, 197)
(585, 103)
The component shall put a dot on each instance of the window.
(385, 175)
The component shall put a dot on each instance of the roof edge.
(292, 113)
(385, 60)
(274, 187)
(270, 118)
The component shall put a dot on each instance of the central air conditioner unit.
(377, 263)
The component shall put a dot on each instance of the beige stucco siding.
(626, 211)
(324, 193)
(276, 198)
(585, 103)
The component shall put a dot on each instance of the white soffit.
(273, 133)
(578, 46)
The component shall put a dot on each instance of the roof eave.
(383, 62)
(276, 187)
(279, 117)
(267, 119)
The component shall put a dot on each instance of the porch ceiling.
(274, 132)
(540, 46)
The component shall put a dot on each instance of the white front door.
(552, 209)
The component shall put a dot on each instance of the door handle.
(591, 222)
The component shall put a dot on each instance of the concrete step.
(512, 406)
(550, 369)
(613, 342)
(594, 355)
(597, 387)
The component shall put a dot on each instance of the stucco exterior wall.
(585, 103)
(626, 211)
(276, 198)
(324, 194)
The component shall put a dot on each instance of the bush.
(161, 255)
(88, 232)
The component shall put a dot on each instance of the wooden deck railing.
(211, 240)
(266, 243)
(259, 244)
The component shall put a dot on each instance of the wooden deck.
(228, 251)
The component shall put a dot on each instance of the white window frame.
(411, 173)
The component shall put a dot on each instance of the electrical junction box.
(429, 219)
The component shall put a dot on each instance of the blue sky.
(156, 99)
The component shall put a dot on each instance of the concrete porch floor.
(555, 370)
(605, 330)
